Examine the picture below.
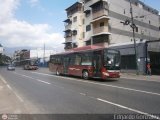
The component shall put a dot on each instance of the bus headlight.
(106, 74)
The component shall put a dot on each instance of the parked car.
(30, 67)
(10, 67)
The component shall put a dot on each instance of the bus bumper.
(106, 75)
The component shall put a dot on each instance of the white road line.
(121, 106)
(127, 108)
(15, 93)
(18, 97)
(83, 94)
(43, 81)
(9, 87)
(3, 79)
(33, 78)
(124, 88)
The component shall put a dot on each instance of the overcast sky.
(33, 22)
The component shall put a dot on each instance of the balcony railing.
(68, 47)
(68, 26)
(68, 39)
(100, 30)
(100, 13)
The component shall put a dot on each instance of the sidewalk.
(140, 77)
(9, 102)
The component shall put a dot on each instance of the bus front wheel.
(85, 75)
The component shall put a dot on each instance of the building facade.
(107, 23)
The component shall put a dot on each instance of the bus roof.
(86, 48)
(82, 49)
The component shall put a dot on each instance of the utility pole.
(133, 28)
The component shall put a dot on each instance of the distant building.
(107, 23)
(21, 56)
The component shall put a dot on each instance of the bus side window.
(71, 59)
(86, 59)
(78, 60)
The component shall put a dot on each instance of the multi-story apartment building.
(74, 26)
(107, 23)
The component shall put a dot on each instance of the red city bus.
(87, 62)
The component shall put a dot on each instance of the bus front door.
(97, 62)
(66, 64)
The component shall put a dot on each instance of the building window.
(88, 28)
(75, 19)
(149, 22)
(124, 11)
(136, 29)
(83, 21)
(100, 6)
(74, 32)
(101, 24)
(75, 45)
(88, 13)
(83, 34)
(105, 5)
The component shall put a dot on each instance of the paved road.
(54, 94)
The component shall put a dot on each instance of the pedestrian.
(148, 69)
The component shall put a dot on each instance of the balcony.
(68, 27)
(68, 39)
(68, 46)
(100, 13)
(100, 30)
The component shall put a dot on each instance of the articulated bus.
(100, 63)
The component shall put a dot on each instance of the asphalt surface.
(52, 94)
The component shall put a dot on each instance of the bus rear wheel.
(85, 75)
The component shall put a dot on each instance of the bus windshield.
(112, 59)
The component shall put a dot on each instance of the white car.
(11, 67)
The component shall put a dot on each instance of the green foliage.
(4, 59)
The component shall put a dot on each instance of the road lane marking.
(9, 87)
(108, 102)
(43, 81)
(33, 78)
(19, 97)
(3, 79)
(121, 106)
(83, 94)
(15, 93)
(127, 108)
(113, 86)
